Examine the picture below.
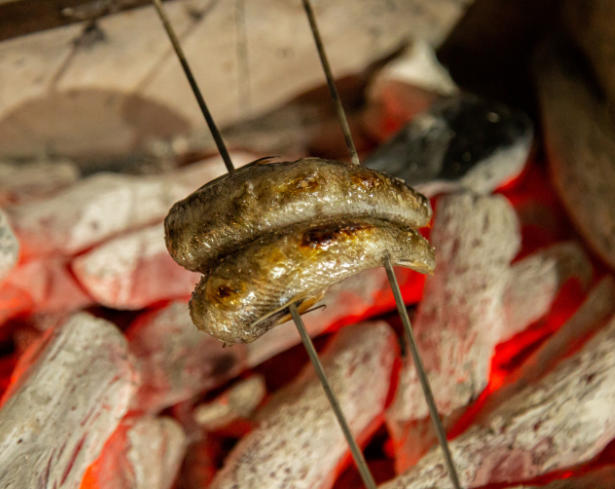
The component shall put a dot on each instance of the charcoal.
(460, 320)
(104, 205)
(133, 271)
(580, 145)
(562, 420)
(9, 247)
(67, 396)
(176, 360)
(143, 453)
(603, 478)
(298, 438)
(536, 280)
(39, 287)
(460, 142)
(235, 404)
(23, 182)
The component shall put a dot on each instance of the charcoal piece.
(67, 396)
(143, 453)
(580, 144)
(564, 419)
(461, 142)
(298, 439)
(603, 478)
(9, 247)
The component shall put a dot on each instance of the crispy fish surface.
(250, 291)
(259, 199)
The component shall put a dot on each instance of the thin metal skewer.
(195, 88)
(341, 115)
(368, 480)
(366, 475)
(401, 307)
(418, 362)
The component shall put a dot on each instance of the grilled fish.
(226, 214)
(250, 291)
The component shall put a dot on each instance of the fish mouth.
(421, 267)
(282, 314)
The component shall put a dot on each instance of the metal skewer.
(368, 480)
(401, 307)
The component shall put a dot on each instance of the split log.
(143, 453)
(298, 438)
(580, 143)
(133, 271)
(67, 396)
(562, 420)
(104, 205)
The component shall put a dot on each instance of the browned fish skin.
(249, 292)
(232, 211)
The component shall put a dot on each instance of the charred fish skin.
(258, 199)
(250, 291)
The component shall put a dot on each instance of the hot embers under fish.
(250, 291)
(258, 199)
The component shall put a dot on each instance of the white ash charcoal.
(42, 286)
(563, 420)
(104, 205)
(352, 297)
(176, 360)
(603, 478)
(133, 271)
(9, 247)
(143, 453)
(536, 280)
(236, 403)
(591, 316)
(22, 182)
(580, 144)
(460, 142)
(419, 436)
(70, 395)
(460, 319)
(298, 438)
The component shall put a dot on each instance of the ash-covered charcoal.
(563, 420)
(143, 453)
(67, 396)
(590, 317)
(41, 287)
(104, 205)
(536, 280)
(133, 271)
(235, 404)
(23, 182)
(460, 142)
(9, 247)
(298, 438)
(177, 361)
(601, 478)
(580, 143)
(461, 317)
